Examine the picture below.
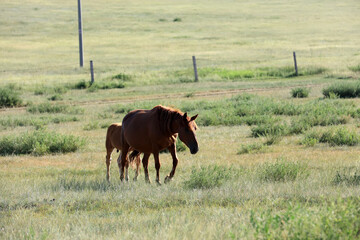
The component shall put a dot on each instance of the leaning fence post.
(195, 69)
(92, 71)
(295, 64)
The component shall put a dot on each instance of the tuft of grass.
(81, 85)
(91, 126)
(177, 19)
(123, 77)
(39, 143)
(281, 171)
(56, 97)
(40, 90)
(332, 220)
(269, 130)
(346, 177)
(51, 108)
(189, 95)
(355, 68)
(22, 121)
(210, 177)
(342, 90)
(60, 89)
(107, 85)
(252, 148)
(333, 136)
(73, 183)
(9, 98)
(300, 92)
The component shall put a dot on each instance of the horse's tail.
(133, 155)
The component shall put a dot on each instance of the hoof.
(158, 182)
(147, 180)
(167, 179)
(135, 179)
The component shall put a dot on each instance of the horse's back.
(136, 128)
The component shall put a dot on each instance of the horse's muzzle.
(194, 150)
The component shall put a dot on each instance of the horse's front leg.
(172, 150)
(157, 167)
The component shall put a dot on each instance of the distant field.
(39, 41)
(270, 165)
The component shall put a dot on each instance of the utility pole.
(81, 53)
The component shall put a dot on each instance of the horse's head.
(187, 130)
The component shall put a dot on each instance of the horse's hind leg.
(172, 150)
(122, 161)
(108, 161)
(126, 171)
(157, 167)
(145, 162)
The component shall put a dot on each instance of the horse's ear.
(194, 117)
(185, 116)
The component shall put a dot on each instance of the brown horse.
(113, 140)
(150, 131)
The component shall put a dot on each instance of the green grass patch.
(258, 73)
(300, 92)
(210, 177)
(252, 148)
(331, 220)
(56, 97)
(54, 108)
(270, 130)
(106, 85)
(281, 171)
(91, 126)
(9, 98)
(355, 68)
(39, 143)
(343, 90)
(38, 122)
(333, 136)
(347, 177)
(123, 77)
(78, 184)
(81, 85)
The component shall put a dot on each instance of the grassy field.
(270, 165)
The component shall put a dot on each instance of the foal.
(114, 140)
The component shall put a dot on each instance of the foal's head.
(187, 130)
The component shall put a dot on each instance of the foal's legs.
(145, 162)
(109, 150)
(157, 167)
(172, 150)
(137, 163)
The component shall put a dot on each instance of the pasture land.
(270, 166)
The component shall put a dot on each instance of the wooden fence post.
(295, 64)
(92, 72)
(195, 69)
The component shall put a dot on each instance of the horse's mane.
(166, 115)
